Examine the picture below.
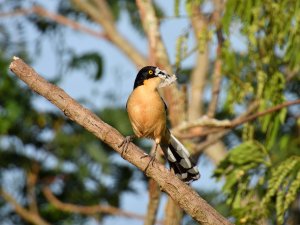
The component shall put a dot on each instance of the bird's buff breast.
(147, 120)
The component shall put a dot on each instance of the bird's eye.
(150, 72)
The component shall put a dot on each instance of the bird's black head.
(149, 72)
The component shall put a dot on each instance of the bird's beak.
(167, 79)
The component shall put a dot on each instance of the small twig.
(236, 122)
(214, 138)
(17, 12)
(32, 177)
(87, 210)
(203, 121)
(23, 212)
(66, 21)
(55, 17)
(189, 53)
(239, 121)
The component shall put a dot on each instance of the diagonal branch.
(55, 17)
(220, 126)
(238, 121)
(208, 146)
(181, 193)
(102, 15)
(23, 212)
(17, 12)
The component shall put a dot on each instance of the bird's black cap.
(145, 73)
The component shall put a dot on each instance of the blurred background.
(234, 61)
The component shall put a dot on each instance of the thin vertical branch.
(173, 214)
(67, 22)
(32, 177)
(154, 199)
(217, 74)
(217, 77)
(158, 53)
(199, 73)
(154, 194)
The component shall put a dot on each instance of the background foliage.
(261, 172)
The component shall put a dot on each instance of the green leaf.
(292, 191)
(176, 7)
(279, 176)
(282, 115)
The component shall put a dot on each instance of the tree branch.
(32, 177)
(199, 73)
(66, 21)
(154, 199)
(217, 74)
(223, 125)
(17, 12)
(99, 15)
(55, 17)
(181, 193)
(23, 212)
(110, 33)
(238, 121)
(87, 210)
(173, 213)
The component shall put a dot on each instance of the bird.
(147, 113)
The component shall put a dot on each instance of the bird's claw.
(153, 157)
(150, 162)
(124, 144)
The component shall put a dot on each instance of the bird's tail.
(180, 160)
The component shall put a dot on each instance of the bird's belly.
(147, 121)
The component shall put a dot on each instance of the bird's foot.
(153, 156)
(124, 144)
